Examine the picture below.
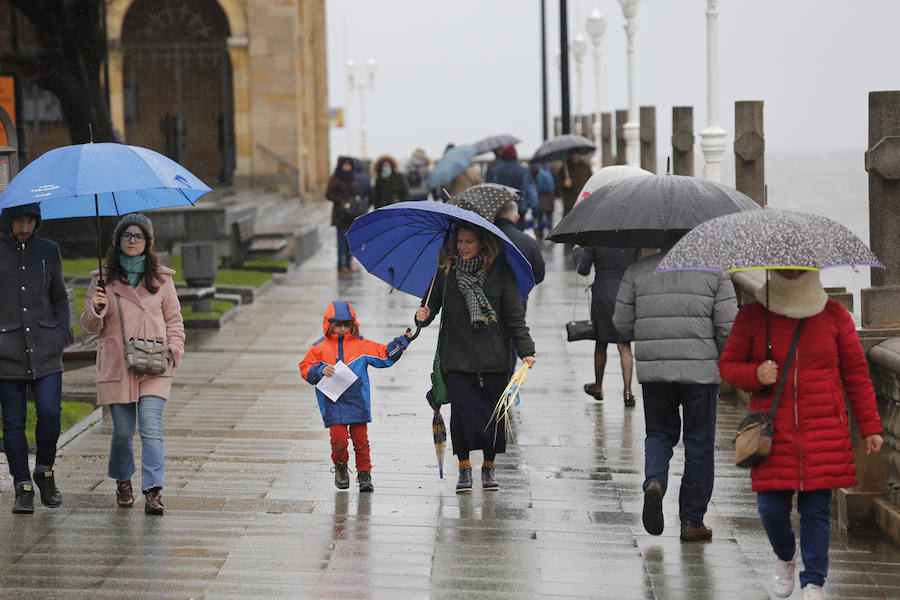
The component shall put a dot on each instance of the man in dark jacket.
(679, 321)
(34, 324)
(511, 174)
(506, 222)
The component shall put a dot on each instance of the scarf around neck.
(795, 298)
(134, 268)
(470, 278)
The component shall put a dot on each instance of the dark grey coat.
(34, 307)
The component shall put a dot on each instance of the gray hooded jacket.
(679, 321)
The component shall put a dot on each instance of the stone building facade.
(236, 90)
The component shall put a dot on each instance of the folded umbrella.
(639, 212)
(439, 433)
(558, 148)
(492, 142)
(455, 161)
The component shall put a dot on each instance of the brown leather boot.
(692, 532)
(124, 493)
(153, 501)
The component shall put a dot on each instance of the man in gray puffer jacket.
(679, 321)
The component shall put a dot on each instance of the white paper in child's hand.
(338, 383)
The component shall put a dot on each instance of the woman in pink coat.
(811, 450)
(140, 295)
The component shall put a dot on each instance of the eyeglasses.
(138, 237)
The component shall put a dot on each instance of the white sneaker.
(783, 576)
(813, 592)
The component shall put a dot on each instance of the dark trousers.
(47, 393)
(343, 248)
(815, 529)
(663, 426)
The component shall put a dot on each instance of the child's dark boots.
(341, 476)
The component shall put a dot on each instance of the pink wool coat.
(146, 315)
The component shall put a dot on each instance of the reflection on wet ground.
(252, 512)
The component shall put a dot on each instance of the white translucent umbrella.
(609, 174)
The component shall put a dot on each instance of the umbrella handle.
(102, 285)
(416, 334)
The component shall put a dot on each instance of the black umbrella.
(559, 147)
(493, 142)
(638, 212)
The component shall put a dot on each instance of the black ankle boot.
(50, 494)
(464, 484)
(24, 504)
(487, 479)
(341, 476)
(365, 481)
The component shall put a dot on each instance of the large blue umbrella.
(455, 161)
(399, 243)
(104, 179)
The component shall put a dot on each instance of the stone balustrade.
(884, 363)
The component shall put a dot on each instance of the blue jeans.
(663, 426)
(815, 529)
(343, 248)
(148, 414)
(47, 393)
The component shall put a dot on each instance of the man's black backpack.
(414, 177)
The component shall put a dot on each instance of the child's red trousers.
(339, 437)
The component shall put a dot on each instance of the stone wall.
(884, 362)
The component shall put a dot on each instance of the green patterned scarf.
(134, 268)
(470, 278)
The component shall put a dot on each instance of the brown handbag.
(143, 356)
(753, 442)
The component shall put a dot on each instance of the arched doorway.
(177, 84)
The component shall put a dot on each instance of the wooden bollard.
(606, 153)
(648, 138)
(683, 140)
(750, 149)
(621, 119)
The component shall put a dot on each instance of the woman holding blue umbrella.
(477, 290)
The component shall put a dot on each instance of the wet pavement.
(252, 512)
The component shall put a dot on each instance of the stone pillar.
(749, 150)
(648, 138)
(683, 140)
(621, 119)
(606, 153)
(243, 135)
(116, 90)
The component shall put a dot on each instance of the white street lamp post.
(596, 28)
(362, 86)
(579, 48)
(712, 138)
(632, 128)
(350, 67)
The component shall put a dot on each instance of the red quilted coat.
(811, 449)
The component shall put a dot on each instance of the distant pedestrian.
(363, 182)
(468, 178)
(139, 301)
(571, 178)
(511, 174)
(811, 449)
(679, 321)
(483, 314)
(390, 183)
(417, 175)
(34, 325)
(341, 191)
(546, 190)
(609, 266)
(348, 415)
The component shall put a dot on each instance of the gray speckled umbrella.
(639, 212)
(492, 142)
(770, 238)
(558, 148)
(485, 199)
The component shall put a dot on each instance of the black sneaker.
(653, 515)
(341, 476)
(487, 479)
(24, 504)
(50, 494)
(464, 485)
(365, 481)
(629, 400)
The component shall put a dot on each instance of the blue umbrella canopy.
(399, 243)
(121, 179)
(455, 161)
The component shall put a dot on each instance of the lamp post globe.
(596, 29)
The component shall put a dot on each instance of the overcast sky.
(463, 69)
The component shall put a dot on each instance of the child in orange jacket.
(348, 415)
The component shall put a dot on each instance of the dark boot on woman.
(153, 501)
(24, 504)
(124, 493)
(464, 485)
(487, 479)
(50, 494)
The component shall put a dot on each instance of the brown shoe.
(153, 501)
(124, 493)
(691, 532)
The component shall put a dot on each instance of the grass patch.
(79, 267)
(72, 413)
(80, 294)
(267, 263)
(219, 308)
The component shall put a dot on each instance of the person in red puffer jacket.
(811, 450)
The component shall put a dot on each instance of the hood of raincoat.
(376, 165)
(9, 214)
(338, 311)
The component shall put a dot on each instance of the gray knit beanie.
(134, 219)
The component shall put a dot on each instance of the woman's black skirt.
(471, 405)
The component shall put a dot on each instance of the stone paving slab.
(251, 510)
